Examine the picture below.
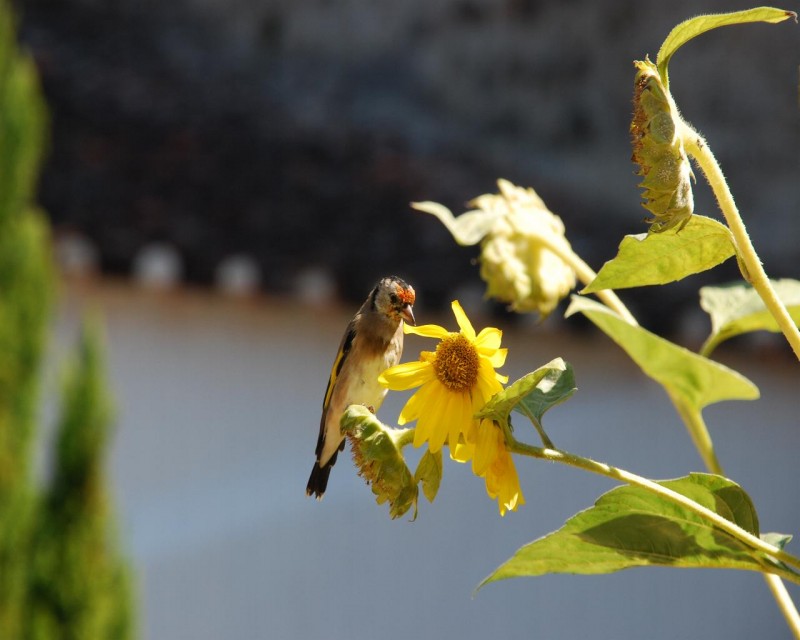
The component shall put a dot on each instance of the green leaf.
(469, 228)
(534, 393)
(557, 386)
(429, 472)
(693, 27)
(659, 258)
(694, 379)
(737, 309)
(631, 527)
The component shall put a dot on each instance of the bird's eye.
(393, 298)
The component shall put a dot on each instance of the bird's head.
(394, 297)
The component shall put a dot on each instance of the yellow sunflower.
(455, 381)
(493, 462)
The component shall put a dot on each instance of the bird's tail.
(318, 481)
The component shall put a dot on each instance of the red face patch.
(406, 295)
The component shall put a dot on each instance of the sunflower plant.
(463, 405)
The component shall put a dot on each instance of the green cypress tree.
(61, 575)
(81, 587)
(26, 278)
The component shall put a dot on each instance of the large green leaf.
(694, 27)
(694, 379)
(632, 527)
(659, 258)
(738, 309)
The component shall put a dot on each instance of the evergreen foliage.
(61, 575)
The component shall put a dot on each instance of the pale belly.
(363, 389)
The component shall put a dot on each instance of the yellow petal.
(502, 483)
(410, 410)
(463, 322)
(460, 417)
(407, 375)
(436, 420)
(426, 330)
(488, 339)
(496, 358)
(462, 452)
(430, 409)
(485, 448)
(419, 405)
(486, 387)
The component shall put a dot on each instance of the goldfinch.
(372, 343)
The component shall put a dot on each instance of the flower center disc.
(456, 363)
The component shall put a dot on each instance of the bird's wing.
(341, 356)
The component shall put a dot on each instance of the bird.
(372, 342)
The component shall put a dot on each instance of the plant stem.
(785, 602)
(546, 441)
(698, 149)
(586, 274)
(555, 455)
(746, 253)
(402, 437)
(698, 431)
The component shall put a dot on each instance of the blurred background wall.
(286, 138)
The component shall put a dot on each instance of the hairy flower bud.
(658, 150)
(379, 461)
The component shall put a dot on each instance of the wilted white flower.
(517, 233)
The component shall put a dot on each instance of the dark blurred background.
(287, 138)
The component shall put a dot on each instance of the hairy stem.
(586, 274)
(402, 437)
(785, 602)
(755, 274)
(698, 431)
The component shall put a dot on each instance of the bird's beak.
(408, 315)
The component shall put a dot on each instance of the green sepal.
(659, 258)
(737, 308)
(429, 473)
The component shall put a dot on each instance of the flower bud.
(658, 150)
(379, 461)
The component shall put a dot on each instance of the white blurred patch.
(315, 286)
(75, 255)
(238, 275)
(157, 266)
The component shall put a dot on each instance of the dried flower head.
(379, 460)
(517, 233)
(658, 149)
